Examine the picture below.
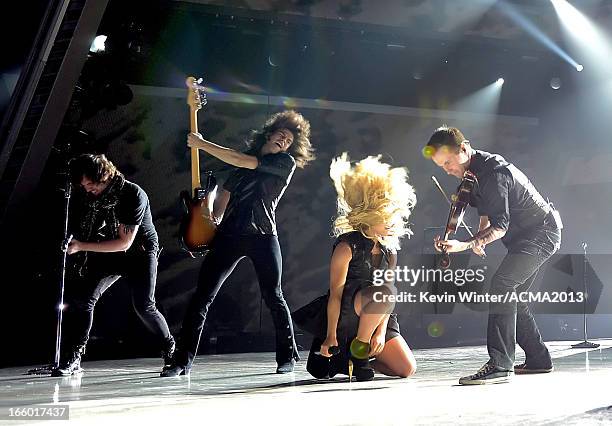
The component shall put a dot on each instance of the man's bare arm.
(486, 236)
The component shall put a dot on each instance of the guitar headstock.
(196, 97)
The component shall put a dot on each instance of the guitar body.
(197, 227)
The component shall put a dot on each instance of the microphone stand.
(585, 344)
(67, 189)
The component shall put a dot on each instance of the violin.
(458, 203)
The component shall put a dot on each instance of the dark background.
(373, 78)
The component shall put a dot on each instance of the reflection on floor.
(243, 389)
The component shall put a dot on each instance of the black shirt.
(363, 262)
(133, 209)
(506, 196)
(255, 195)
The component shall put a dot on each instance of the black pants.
(511, 323)
(104, 269)
(265, 254)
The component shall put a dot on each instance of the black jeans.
(139, 268)
(265, 254)
(511, 323)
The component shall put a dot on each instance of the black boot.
(286, 367)
(318, 365)
(362, 371)
(360, 361)
(286, 356)
(168, 352)
(71, 364)
(174, 370)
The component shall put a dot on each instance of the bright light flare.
(98, 44)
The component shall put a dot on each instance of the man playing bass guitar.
(510, 209)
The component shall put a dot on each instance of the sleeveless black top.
(360, 275)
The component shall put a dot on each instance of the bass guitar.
(198, 227)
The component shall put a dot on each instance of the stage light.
(574, 20)
(555, 83)
(483, 102)
(534, 31)
(97, 45)
(585, 36)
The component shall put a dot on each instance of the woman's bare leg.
(396, 359)
(370, 312)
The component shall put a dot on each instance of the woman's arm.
(382, 327)
(220, 204)
(377, 342)
(337, 277)
(227, 155)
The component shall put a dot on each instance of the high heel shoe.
(359, 363)
(360, 369)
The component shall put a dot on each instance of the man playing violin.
(510, 209)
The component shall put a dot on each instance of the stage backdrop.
(147, 141)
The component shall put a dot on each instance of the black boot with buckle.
(168, 351)
(71, 364)
(179, 365)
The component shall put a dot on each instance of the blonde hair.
(369, 193)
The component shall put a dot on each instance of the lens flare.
(435, 329)
(428, 151)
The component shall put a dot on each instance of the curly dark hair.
(95, 167)
(301, 149)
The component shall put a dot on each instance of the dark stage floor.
(243, 389)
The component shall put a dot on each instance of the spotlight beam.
(585, 36)
(536, 33)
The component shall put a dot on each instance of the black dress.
(360, 275)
